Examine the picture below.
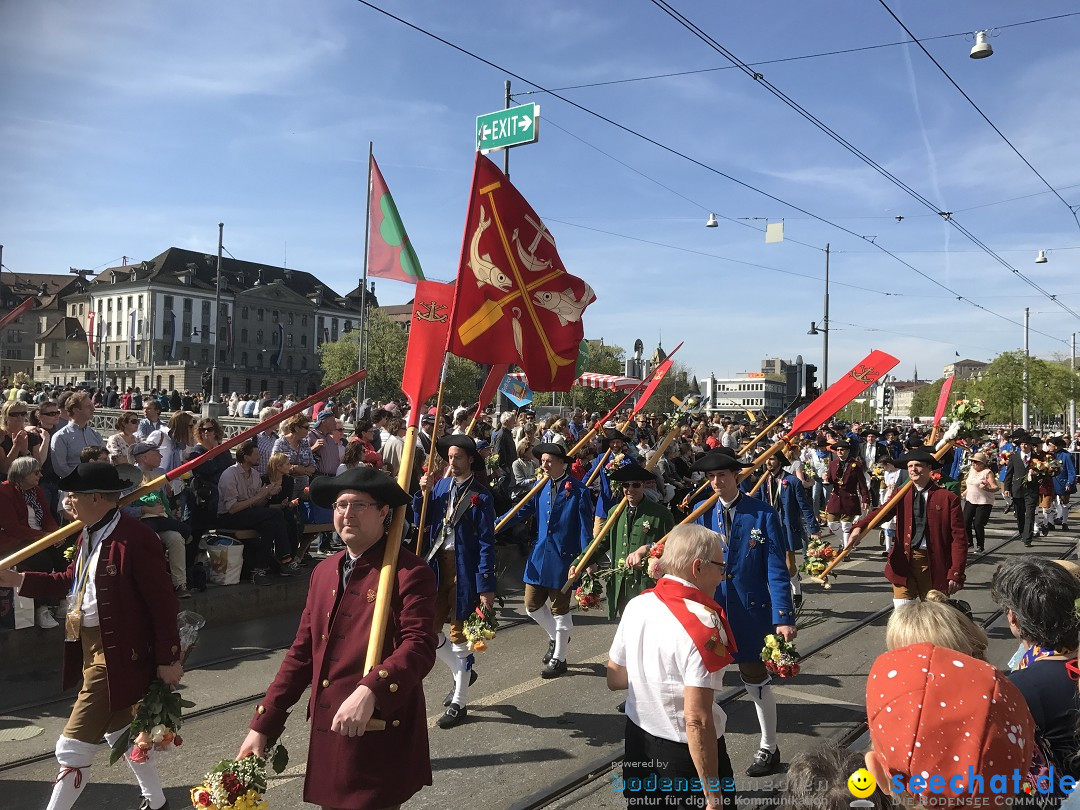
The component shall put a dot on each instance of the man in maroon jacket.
(120, 630)
(348, 768)
(930, 551)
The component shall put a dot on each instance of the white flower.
(157, 733)
(646, 526)
(755, 536)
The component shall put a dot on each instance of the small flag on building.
(774, 232)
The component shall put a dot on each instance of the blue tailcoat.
(793, 509)
(1006, 446)
(1067, 475)
(564, 529)
(474, 541)
(756, 595)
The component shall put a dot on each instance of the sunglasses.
(17, 413)
(635, 485)
(206, 430)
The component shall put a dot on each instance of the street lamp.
(822, 328)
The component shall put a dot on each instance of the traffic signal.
(887, 399)
(810, 389)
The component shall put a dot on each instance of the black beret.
(380, 486)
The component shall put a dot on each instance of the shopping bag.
(226, 560)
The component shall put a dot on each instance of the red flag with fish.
(515, 302)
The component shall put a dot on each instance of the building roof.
(44, 286)
(67, 328)
(968, 363)
(177, 265)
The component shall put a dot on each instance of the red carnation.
(568, 487)
(475, 500)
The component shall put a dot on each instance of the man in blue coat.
(460, 547)
(784, 493)
(1064, 481)
(564, 522)
(757, 591)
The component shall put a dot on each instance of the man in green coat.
(641, 524)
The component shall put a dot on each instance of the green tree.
(386, 356)
(603, 359)
(1002, 386)
(924, 400)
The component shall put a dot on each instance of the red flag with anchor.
(515, 302)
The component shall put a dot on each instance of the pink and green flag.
(390, 253)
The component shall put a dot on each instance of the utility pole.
(506, 150)
(827, 329)
(1025, 416)
(361, 387)
(217, 317)
(1071, 428)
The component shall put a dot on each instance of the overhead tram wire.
(841, 52)
(671, 150)
(706, 254)
(1072, 208)
(679, 194)
(706, 38)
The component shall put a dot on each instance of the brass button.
(324, 636)
(396, 723)
(328, 614)
(325, 683)
(262, 710)
(383, 673)
(393, 687)
(333, 592)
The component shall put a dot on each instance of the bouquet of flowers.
(157, 721)
(616, 461)
(819, 553)
(480, 628)
(969, 410)
(492, 463)
(877, 473)
(1004, 456)
(780, 657)
(1040, 468)
(239, 783)
(588, 593)
(654, 568)
(809, 471)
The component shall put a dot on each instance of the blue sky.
(131, 126)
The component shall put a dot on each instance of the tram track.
(602, 766)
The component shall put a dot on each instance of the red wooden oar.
(19, 310)
(836, 396)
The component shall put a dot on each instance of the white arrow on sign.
(525, 122)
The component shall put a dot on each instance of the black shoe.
(621, 708)
(550, 652)
(453, 715)
(1064, 527)
(1008, 509)
(979, 549)
(260, 576)
(1028, 542)
(553, 669)
(765, 762)
(449, 699)
(146, 805)
(1044, 530)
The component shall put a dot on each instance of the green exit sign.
(511, 127)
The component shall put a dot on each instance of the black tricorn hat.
(551, 449)
(722, 458)
(466, 443)
(1059, 441)
(100, 476)
(380, 486)
(631, 472)
(781, 456)
(1022, 436)
(842, 444)
(921, 454)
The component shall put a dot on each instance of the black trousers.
(976, 516)
(1024, 506)
(661, 773)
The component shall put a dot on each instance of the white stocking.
(765, 705)
(563, 625)
(834, 526)
(846, 527)
(74, 758)
(445, 653)
(542, 616)
(899, 603)
(146, 773)
(462, 673)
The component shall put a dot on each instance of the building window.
(243, 360)
(274, 316)
(288, 363)
(244, 335)
(205, 355)
(288, 340)
(333, 329)
(275, 337)
(258, 360)
(130, 299)
(82, 309)
(224, 311)
(290, 318)
(168, 303)
(303, 320)
(348, 326)
(185, 353)
(187, 305)
(206, 309)
(260, 315)
(172, 382)
(303, 364)
(303, 341)
(258, 337)
(244, 313)
(221, 357)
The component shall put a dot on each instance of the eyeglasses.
(720, 565)
(342, 507)
(49, 413)
(635, 485)
(16, 413)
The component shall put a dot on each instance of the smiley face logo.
(861, 783)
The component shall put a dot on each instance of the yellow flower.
(772, 642)
(776, 654)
